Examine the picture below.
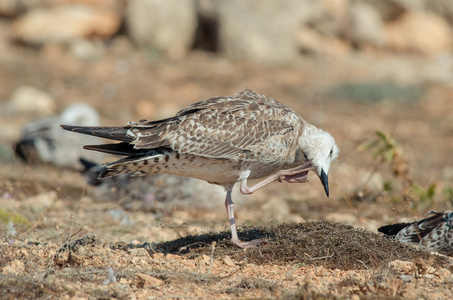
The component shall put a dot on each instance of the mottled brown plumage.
(434, 233)
(222, 140)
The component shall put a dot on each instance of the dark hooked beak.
(324, 181)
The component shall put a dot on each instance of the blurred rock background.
(242, 29)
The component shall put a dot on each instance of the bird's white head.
(320, 148)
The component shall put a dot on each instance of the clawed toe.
(249, 244)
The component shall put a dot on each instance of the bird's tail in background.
(91, 171)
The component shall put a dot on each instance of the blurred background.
(376, 74)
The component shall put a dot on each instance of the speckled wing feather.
(435, 233)
(440, 239)
(420, 229)
(223, 127)
(415, 231)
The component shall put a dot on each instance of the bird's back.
(245, 126)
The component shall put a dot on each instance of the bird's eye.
(331, 151)
(305, 155)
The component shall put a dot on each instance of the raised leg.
(229, 205)
(294, 175)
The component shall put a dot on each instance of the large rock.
(402, 25)
(262, 30)
(167, 26)
(311, 41)
(66, 23)
(419, 32)
(366, 26)
(9, 7)
(441, 7)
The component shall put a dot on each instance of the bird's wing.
(416, 231)
(221, 127)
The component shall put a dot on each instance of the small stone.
(146, 281)
(158, 256)
(15, 267)
(407, 278)
(172, 257)
(205, 257)
(139, 252)
(402, 267)
(227, 260)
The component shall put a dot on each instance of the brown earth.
(69, 244)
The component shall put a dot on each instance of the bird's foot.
(249, 244)
(295, 178)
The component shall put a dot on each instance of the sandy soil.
(69, 243)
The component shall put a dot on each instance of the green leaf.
(382, 135)
(368, 145)
(431, 190)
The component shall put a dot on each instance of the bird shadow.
(187, 244)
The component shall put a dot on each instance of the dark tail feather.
(87, 165)
(117, 149)
(112, 133)
(92, 171)
(393, 229)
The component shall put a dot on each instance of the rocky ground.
(61, 239)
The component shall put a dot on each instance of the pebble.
(147, 281)
(15, 267)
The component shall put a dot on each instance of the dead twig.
(190, 245)
(321, 257)
(211, 261)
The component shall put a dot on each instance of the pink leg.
(294, 175)
(229, 205)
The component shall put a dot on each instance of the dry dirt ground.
(58, 240)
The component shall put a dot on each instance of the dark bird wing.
(111, 133)
(414, 232)
(122, 148)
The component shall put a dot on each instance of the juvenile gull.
(43, 141)
(434, 233)
(222, 140)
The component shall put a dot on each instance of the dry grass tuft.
(313, 243)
